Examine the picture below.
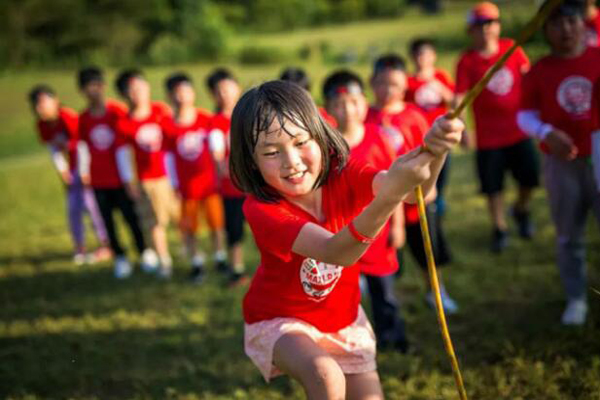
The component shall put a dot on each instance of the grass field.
(76, 332)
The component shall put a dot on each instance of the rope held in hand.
(527, 32)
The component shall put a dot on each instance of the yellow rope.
(529, 30)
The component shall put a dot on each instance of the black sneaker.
(524, 224)
(197, 275)
(237, 279)
(499, 240)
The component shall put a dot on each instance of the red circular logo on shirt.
(318, 278)
(502, 82)
(149, 137)
(102, 137)
(190, 145)
(428, 95)
(574, 95)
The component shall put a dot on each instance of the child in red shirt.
(141, 130)
(345, 101)
(57, 126)
(501, 145)
(192, 171)
(98, 167)
(299, 77)
(405, 125)
(225, 91)
(313, 214)
(557, 109)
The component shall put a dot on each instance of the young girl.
(313, 215)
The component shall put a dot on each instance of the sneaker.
(197, 275)
(101, 254)
(450, 306)
(575, 313)
(165, 273)
(223, 267)
(150, 262)
(80, 259)
(237, 279)
(499, 240)
(524, 224)
(123, 268)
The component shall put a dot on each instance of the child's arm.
(560, 144)
(83, 161)
(390, 187)
(60, 163)
(171, 169)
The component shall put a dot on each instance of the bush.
(169, 49)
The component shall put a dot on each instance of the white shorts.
(352, 347)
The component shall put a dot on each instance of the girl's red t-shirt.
(380, 258)
(63, 134)
(287, 284)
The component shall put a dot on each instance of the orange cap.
(483, 12)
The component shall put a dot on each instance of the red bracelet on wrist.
(359, 236)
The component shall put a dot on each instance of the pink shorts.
(352, 347)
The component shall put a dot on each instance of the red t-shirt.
(327, 117)
(62, 134)
(287, 284)
(380, 258)
(592, 31)
(405, 131)
(220, 122)
(196, 172)
(426, 94)
(495, 109)
(561, 90)
(100, 135)
(146, 137)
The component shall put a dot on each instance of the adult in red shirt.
(57, 127)
(557, 109)
(346, 102)
(592, 24)
(193, 174)
(313, 215)
(98, 167)
(405, 125)
(141, 131)
(432, 90)
(501, 145)
(225, 91)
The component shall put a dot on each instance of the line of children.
(346, 102)
(501, 145)
(192, 172)
(98, 139)
(58, 130)
(405, 126)
(314, 213)
(557, 109)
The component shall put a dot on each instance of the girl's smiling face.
(289, 159)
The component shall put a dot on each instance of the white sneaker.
(450, 306)
(165, 273)
(575, 313)
(150, 262)
(123, 268)
(80, 259)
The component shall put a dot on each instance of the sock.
(166, 261)
(220, 256)
(239, 268)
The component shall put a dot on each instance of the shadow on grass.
(37, 260)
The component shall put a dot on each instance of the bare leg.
(319, 374)
(496, 208)
(365, 386)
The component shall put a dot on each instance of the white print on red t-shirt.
(591, 37)
(191, 144)
(502, 82)
(149, 137)
(394, 136)
(318, 279)
(428, 95)
(102, 137)
(574, 95)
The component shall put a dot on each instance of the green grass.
(75, 332)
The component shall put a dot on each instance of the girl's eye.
(302, 143)
(270, 154)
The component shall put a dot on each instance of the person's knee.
(326, 378)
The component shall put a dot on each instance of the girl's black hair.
(255, 112)
(36, 91)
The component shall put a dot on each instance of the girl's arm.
(390, 187)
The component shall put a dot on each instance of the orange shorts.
(211, 208)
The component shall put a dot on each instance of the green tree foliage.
(38, 32)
